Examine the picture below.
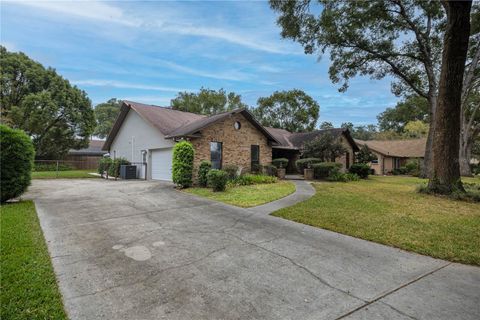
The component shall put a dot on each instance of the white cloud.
(170, 23)
(83, 9)
(125, 85)
(222, 75)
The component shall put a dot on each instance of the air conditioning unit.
(128, 172)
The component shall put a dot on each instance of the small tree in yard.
(325, 147)
(365, 155)
(17, 154)
(182, 164)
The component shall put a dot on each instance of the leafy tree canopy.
(363, 132)
(292, 110)
(326, 125)
(416, 129)
(56, 115)
(207, 101)
(365, 155)
(106, 113)
(325, 147)
(412, 108)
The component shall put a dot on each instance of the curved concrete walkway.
(304, 191)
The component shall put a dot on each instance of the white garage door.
(162, 164)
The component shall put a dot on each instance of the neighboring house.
(393, 154)
(146, 134)
(86, 158)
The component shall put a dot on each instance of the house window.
(216, 155)
(375, 161)
(254, 157)
(396, 163)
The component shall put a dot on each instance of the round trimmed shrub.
(16, 157)
(324, 170)
(360, 169)
(217, 180)
(205, 167)
(280, 162)
(182, 164)
(306, 163)
(231, 171)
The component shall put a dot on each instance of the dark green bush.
(114, 167)
(413, 167)
(231, 171)
(249, 179)
(182, 164)
(51, 166)
(360, 169)
(280, 162)
(16, 158)
(269, 170)
(203, 169)
(306, 163)
(323, 170)
(400, 171)
(217, 180)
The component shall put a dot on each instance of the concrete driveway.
(141, 250)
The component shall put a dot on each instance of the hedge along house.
(393, 154)
(291, 145)
(146, 134)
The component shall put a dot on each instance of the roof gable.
(163, 119)
(196, 126)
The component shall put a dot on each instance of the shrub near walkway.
(388, 210)
(28, 286)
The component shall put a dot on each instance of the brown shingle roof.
(412, 148)
(94, 149)
(193, 127)
(164, 119)
(296, 140)
(174, 123)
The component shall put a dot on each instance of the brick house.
(146, 134)
(393, 154)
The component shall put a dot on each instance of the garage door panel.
(162, 164)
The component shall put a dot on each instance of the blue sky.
(148, 51)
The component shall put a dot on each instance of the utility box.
(128, 172)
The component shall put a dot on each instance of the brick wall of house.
(236, 143)
(351, 155)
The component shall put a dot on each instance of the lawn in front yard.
(388, 210)
(69, 174)
(247, 196)
(28, 286)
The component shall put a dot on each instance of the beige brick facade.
(349, 157)
(236, 144)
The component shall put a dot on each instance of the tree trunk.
(464, 158)
(445, 177)
(426, 170)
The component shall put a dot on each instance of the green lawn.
(388, 210)
(70, 174)
(247, 196)
(28, 286)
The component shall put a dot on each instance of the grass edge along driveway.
(68, 174)
(28, 286)
(388, 210)
(247, 196)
